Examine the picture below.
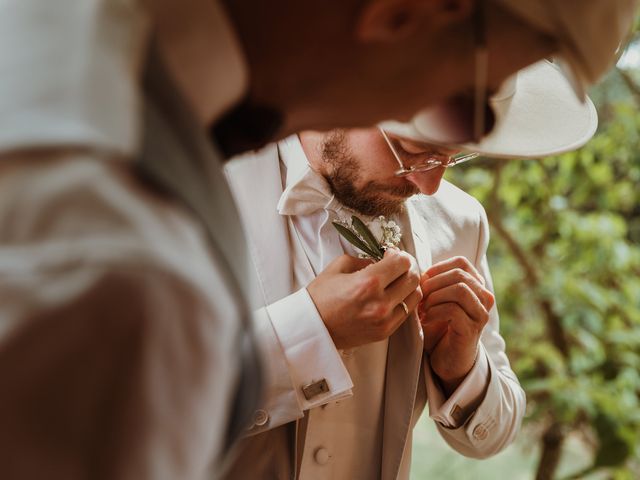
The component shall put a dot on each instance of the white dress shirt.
(351, 413)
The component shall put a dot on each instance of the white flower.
(371, 240)
(391, 233)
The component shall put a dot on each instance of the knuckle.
(413, 279)
(461, 288)
(404, 260)
(368, 286)
(342, 261)
(461, 275)
(418, 294)
(377, 313)
(461, 261)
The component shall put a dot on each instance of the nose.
(427, 182)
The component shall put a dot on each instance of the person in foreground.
(125, 347)
(356, 349)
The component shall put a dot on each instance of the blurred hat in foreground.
(588, 32)
(537, 114)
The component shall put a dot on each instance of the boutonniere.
(360, 236)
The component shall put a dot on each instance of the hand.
(453, 312)
(359, 301)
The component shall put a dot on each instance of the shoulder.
(450, 205)
(73, 219)
(454, 221)
(253, 162)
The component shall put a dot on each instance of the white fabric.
(303, 336)
(447, 224)
(118, 333)
(69, 73)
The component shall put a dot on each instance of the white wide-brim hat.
(588, 33)
(537, 115)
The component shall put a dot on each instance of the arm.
(482, 415)
(351, 303)
(298, 351)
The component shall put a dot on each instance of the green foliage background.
(565, 256)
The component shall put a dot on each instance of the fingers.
(434, 328)
(412, 301)
(452, 263)
(455, 319)
(404, 286)
(462, 295)
(398, 315)
(458, 276)
(394, 264)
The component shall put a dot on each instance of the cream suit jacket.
(447, 224)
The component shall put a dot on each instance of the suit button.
(480, 432)
(260, 418)
(321, 456)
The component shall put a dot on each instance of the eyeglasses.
(429, 163)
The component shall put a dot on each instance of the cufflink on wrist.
(314, 389)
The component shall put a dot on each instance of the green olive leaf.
(366, 235)
(353, 239)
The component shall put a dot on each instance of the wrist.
(450, 382)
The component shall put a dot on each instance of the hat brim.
(543, 117)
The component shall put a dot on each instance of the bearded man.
(356, 349)
(125, 347)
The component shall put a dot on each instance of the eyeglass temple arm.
(462, 159)
(393, 150)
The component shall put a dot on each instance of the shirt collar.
(306, 191)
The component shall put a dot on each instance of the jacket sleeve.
(298, 352)
(496, 395)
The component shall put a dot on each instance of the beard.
(342, 172)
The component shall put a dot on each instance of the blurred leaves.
(565, 256)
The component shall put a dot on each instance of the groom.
(351, 365)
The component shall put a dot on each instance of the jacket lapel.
(403, 364)
(257, 186)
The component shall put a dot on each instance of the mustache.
(407, 190)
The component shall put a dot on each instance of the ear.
(385, 21)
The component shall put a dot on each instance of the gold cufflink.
(315, 388)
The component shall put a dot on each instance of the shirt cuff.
(317, 371)
(454, 411)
